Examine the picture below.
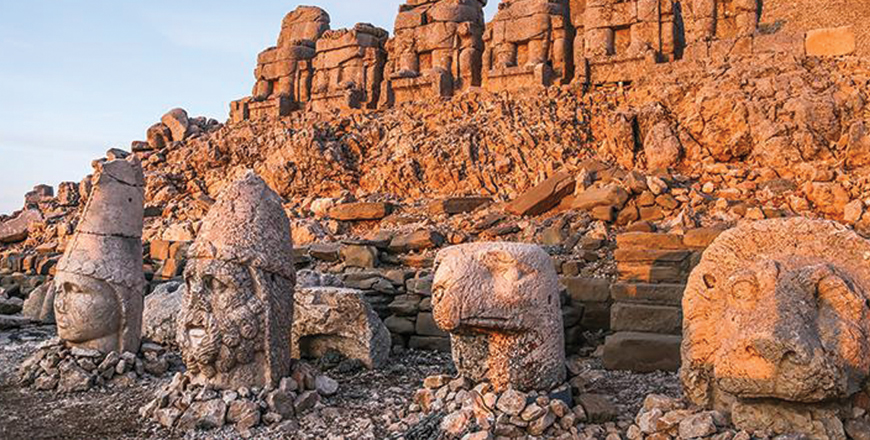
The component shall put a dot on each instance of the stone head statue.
(100, 282)
(500, 303)
(237, 310)
(778, 309)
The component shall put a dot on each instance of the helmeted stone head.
(500, 303)
(237, 310)
(100, 281)
(778, 309)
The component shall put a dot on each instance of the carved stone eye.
(744, 290)
(710, 281)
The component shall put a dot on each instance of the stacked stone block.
(349, 68)
(622, 38)
(284, 72)
(436, 50)
(646, 315)
(528, 43)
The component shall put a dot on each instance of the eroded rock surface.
(778, 310)
(237, 308)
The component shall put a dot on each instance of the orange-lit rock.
(778, 309)
(500, 304)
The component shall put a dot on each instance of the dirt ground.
(367, 405)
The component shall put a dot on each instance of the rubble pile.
(54, 366)
(182, 404)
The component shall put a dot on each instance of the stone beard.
(223, 334)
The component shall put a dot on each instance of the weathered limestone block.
(159, 318)
(528, 43)
(777, 312)
(39, 305)
(17, 228)
(284, 73)
(437, 50)
(500, 304)
(100, 281)
(831, 42)
(349, 68)
(237, 308)
(333, 318)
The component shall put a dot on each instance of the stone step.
(646, 318)
(584, 289)
(642, 352)
(652, 273)
(662, 294)
(632, 255)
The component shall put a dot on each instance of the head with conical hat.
(234, 326)
(100, 281)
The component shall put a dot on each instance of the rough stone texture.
(332, 318)
(100, 281)
(642, 352)
(237, 309)
(39, 305)
(500, 304)
(544, 196)
(528, 43)
(178, 123)
(284, 73)
(161, 310)
(778, 309)
(436, 50)
(17, 228)
(831, 42)
(349, 68)
(360, 211)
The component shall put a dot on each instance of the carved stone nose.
(775, 349)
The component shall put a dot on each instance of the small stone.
(281, 403)
(74, 379)
(436, 381)
(245, 414)
(306, 401)
(512, 402)
(539, 425)
(325, 385)
(532, 412)
(697, 425)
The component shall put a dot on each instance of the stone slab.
(642, 352)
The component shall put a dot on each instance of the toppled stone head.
(778, 309)
(500, 303)
(100, 281)
(237, 310)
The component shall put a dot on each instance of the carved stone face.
(791, 320)
(87, 310)
(483, 290)
(220, 327)
(777, 310)
(500, 303)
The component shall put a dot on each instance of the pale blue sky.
(79, 77)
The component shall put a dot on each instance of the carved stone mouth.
(484, 322)
(195, 335)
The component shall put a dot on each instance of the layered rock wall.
(442, 47)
